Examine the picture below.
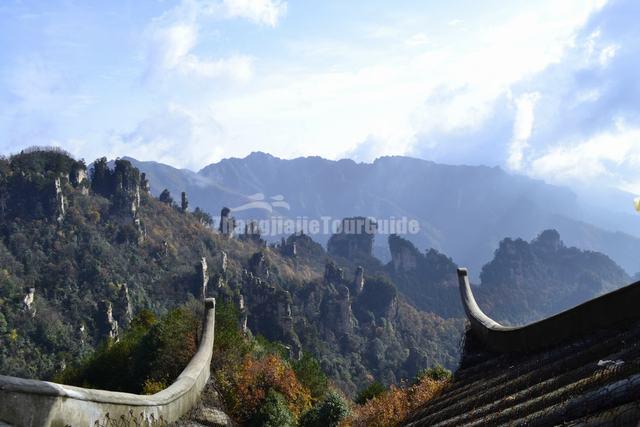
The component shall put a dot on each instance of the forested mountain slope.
(82, 253)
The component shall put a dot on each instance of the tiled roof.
(581, 367)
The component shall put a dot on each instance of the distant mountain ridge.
(464, 211)
(529, 281)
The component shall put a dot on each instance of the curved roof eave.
(605, 311)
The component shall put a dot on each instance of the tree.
(165, 197)
(327, 413)
(184, 202)
(437, 373)
(203, 217)
(101, 177)
(310, 374)
(273, 412)
(369, 392)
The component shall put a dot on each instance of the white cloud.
(177, 135)
(175, 35)
(418, 39)
(171, 51)
(587, 122)
(522, 128)
(334, 97)
(174, 44)
(607, 53)
(387, 98)
(599, 157)
(237, 67)
(267, 12)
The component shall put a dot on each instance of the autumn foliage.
(256, 376)
(391, 407)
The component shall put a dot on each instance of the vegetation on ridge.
(147, 358)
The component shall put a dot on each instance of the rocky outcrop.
(528, 281)
(184, 202)
(333, 274)
(287, 248)
(301, 246)
(28, 300)
(427, 279)
(258, 265)
(378, 297)
(227, 223)
(34, 184)
(337, 312)
(107, 324)
(208, 412)
(354, 239)
(211, 417)
(122, 186)
(548, 241)
(335, 307)
(79, 179)
(204, 276)
(144, 183)
(223, 262)
(123, 310)
(82, 330)
(358, 281)
(252, 233)
(404, 256)
(242, 308)
(269, 310)
(60, 200)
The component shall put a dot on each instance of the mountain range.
(82, 254)
(463, 211)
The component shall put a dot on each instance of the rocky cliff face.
(528, 281)
(123, 309)
(428, 280)
(335, 309)
(28, 301)
(354, 238)
(122, 186)
(404, 255)
(107, 325)
(269, 310)
(303, 247)
(204, 273)
(33, 184)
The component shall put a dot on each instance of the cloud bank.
(548, 90)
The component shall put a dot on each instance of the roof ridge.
(601, 312)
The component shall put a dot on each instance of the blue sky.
(545, 88)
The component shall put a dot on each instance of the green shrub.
(148, 356)
(310, 374)
(274, 412)
(328, 413)
(372, 390)
(437, 373)
(153, 387)
(263, 347)
(228, 332)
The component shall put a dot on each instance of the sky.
(543, 88)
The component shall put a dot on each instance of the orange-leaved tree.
(257, 375)
(392, 406)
